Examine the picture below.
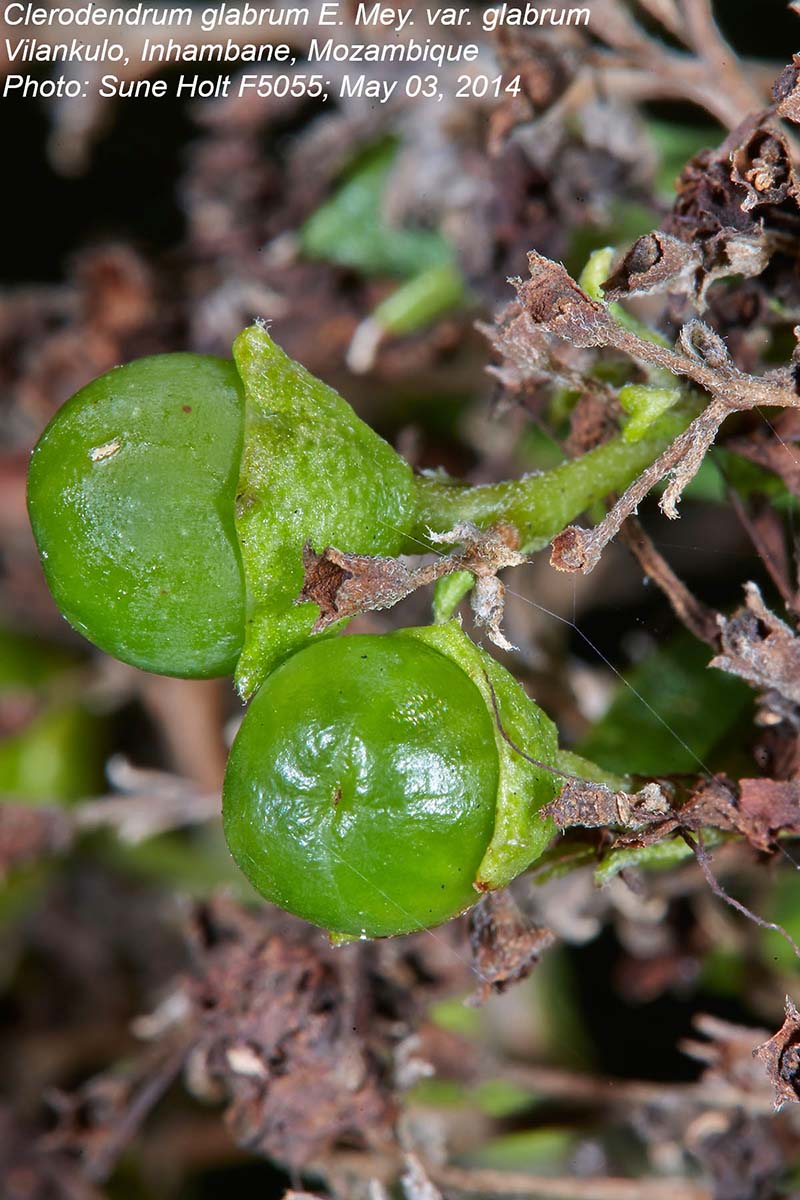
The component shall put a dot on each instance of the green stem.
(540, 506)
(421, 299)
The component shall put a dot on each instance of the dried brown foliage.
(295, 1047)
(505, 945)
(780, 1057)
(344, 585)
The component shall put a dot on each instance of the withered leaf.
(740, 1152)
(786, 91)
(714, 217)
(506, 946)
(30, 1171)
(276, 1029)
(552, 299)
(726, 1050)
(707, 200)
(594, 806)
(98, 1120)
(712, 805)
(531, 357)
(760, 648)
(768, 807)
(781, 1058)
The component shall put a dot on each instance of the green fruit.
(131, 498)
(171, 499)
(370, 789)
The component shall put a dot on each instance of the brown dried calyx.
(343, 584)
(733, 210)
(505, 945)
(786, 91)
(781, 1058)
(759, 647)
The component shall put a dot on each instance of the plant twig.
(698, 618)
(719, 58)
(703, 861)
(667, 13)
(578, 549)
(516, 1183)
(603, 1090)
(553, 301)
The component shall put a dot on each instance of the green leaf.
(543, 1151)
(675, 145)
(783, 908)
(351, 229)
(669, 715)
(644, 404)
(56, 757)
(659, 856)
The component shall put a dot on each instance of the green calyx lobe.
(370, 790)
(311, 471)
(519, 834)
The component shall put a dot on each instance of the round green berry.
(360, 791)
(368, 789)
(131, 495)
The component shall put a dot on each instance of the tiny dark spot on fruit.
(363, 656)
(337, 794)
(186, 407)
